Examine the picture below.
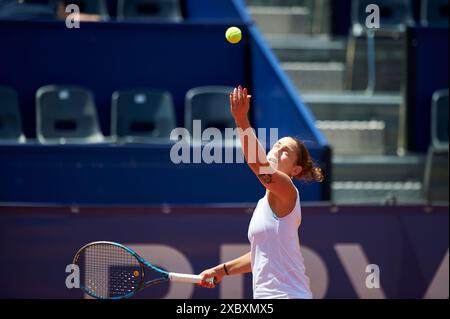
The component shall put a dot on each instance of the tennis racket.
(110, 270)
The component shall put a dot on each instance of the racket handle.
(190, 279)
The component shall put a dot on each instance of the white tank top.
(277, 262)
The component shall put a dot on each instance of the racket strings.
(109, 271)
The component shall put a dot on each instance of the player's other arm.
(240, 265)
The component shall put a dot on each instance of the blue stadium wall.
(105, 57)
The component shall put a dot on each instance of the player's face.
(283, 155)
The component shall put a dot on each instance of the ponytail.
(310, 171)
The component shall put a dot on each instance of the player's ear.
(296, 170)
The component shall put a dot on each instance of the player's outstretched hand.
(240, 103)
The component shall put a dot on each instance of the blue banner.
(350, 252)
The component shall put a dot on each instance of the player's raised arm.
(274, 180)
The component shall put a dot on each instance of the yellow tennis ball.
(233, 35)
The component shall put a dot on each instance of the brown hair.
(310, 171)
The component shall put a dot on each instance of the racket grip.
(190, 279)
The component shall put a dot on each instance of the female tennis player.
(275, 258)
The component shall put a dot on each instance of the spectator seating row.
(153, 10)
(68, 114)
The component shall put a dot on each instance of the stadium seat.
(395, 16)
(440, 120)
(142, 116)
(10, 119)
(151, 10)
(439, 139)
(434, 13)
(210, 104)
(27, 10)
(66, 114)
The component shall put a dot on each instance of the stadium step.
(307, 48)
(376, 192)
(316, 76)
(356, 106)
(379, 168)
(390, 64)
(281, 20)
(362, 129)
(383, 179)
(355, 137)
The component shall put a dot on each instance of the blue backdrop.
(408, 244)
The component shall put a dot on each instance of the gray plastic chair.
(211, 105)
(10, 119)
(142, 116)
(439, 124)
(395, 16)
(434, 13)
(150, 10)
(66, 114)
(439, 136)
(28, 10)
